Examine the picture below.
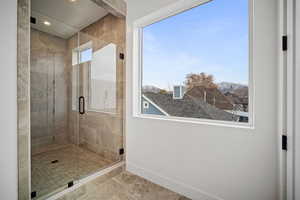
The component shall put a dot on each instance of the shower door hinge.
(32, 20)
(122, 56)
(33, 194)
(284, 43)
(284, 142)
(70, 184)
(121, 151)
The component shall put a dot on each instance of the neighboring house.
(187, 106)
(243, 116)
(240, 103)
(149, 107)
(212, 96)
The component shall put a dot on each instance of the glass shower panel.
(54, 123)
(42, 98)
(101, 125)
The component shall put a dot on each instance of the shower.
(76, 91)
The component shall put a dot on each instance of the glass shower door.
(100, 138)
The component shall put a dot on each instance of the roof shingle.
(188, 107)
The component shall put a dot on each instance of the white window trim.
(145, 105)
(137, 61)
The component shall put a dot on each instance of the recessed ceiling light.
(72, 1)
(47, 23)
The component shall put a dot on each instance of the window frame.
(145, 105)
(137, 61)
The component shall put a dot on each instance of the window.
(146, 105)
(195, 64)
(178, 92)
(96, 74)
(102, 80)
(84, 54)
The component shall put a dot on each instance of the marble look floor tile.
(124, 186)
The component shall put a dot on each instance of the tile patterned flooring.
(72, 164)
(122, 186)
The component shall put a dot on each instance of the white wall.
(297, 98)
(202, 161)
(8, 100)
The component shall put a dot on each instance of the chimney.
(178, 91)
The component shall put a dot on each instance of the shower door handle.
(81, 105)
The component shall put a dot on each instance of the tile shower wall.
(49, 118)
(101, 132)
(23, 82)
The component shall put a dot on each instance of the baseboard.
(170, 184)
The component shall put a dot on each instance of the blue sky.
(211, 38)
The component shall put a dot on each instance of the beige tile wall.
(23, 60)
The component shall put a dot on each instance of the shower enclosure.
(77, 81)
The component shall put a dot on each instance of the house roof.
(235, 99)
(213, 97)
(188, 107)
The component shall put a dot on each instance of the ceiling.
(66, 17)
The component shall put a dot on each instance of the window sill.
(208, 122)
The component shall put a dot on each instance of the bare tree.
(162, 91)
(201, 79)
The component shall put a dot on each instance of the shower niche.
(76, 91)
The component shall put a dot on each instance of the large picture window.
(196, 64)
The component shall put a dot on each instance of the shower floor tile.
(54, 169)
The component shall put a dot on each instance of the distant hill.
(224, 87)
(239, 89)
(151, 88)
